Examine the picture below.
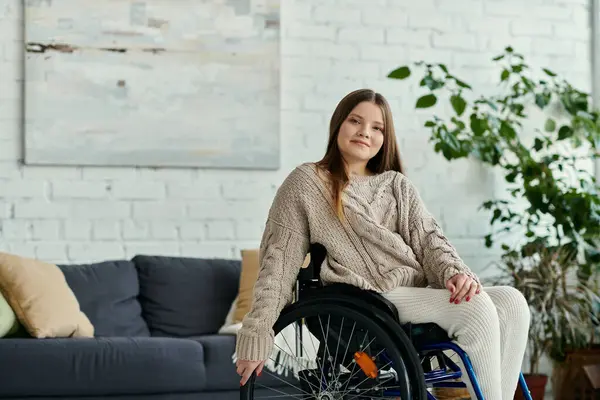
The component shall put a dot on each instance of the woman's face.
(361, 134)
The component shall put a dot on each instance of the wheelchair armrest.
(307, 274)
(312, 272)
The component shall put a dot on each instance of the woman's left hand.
(462, 286)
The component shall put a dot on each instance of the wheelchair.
(358, 348)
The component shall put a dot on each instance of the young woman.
(379, 236)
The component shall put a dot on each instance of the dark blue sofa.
(156, 321)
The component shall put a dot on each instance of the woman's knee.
(480, 309)
(510, 303)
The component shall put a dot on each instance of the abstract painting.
(158, 83)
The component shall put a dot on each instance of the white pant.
(492, 328)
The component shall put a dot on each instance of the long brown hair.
(388, 157)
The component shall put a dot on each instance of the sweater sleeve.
(283, 248)
(433, 250)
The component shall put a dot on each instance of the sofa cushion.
(220, 365)
(107, 292)
(41, 298)
(184, 297)
(218, 361)
(100, 366)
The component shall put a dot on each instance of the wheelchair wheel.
(331, 352)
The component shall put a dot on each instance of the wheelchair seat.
(421, 335)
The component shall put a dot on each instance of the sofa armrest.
(99, 366)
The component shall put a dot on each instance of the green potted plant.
(552, 200)
(563, 304)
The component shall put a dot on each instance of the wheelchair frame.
(444, 377)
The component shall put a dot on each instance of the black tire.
(405, 359)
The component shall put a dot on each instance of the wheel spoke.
(363, 381)
(284, 393)
(306, 380)
(362, 347)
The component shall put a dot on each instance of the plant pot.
(536, 384)
(569, 378)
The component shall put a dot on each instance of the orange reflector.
(366, 364)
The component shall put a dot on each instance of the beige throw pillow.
(41, 298)
(243, 302)
(248, 277)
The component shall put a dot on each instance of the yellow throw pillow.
(41, 298)
(243, 302)
(248, 277)
(8, 319)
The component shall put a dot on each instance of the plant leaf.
(458, 103)
(564, 132)
(431, 83)
(538, 144)
(462, 84)
(550, 125)
(542, 100)
(400, 73)
(426, 101)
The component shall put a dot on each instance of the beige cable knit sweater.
(388, 239)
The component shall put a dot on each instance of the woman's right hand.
(245, 369)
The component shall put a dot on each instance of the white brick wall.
(329, 47)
